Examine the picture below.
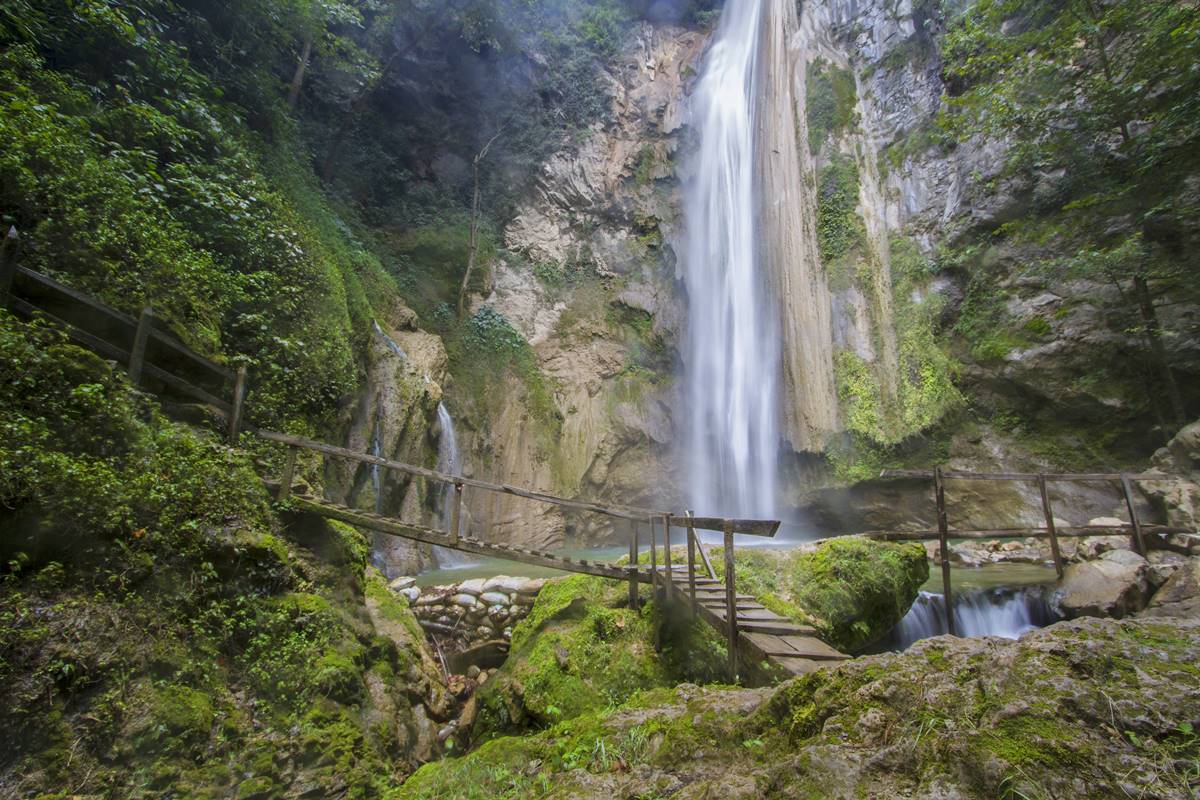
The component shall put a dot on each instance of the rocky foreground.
(1087, 708)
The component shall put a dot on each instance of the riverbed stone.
(403, 582)
(465, 600)
(494, 598)
(503, 583)
(472, 587)
(1116, 585)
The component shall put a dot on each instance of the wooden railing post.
(939, 493)
(669, 584)
(1050, 528)
(289, 472)
(137, 355)
(1139, 541)
(456, 513)
(633, 563)
(239, 397)
(10, 251)
(653, 563)
(691, 562)
(731, 602)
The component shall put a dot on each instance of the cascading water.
(1004, 612)
(732, 352)
(448, 462)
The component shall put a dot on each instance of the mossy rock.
(580, 649)
(852, 589)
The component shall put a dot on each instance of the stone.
(525, 600)
(1182, 585)
(1115, 585)
(472, 587)
(503, 583)
(465, 600)
(485, 631)
(531, 587)
(494, 598)
(426, 736)
(473, 671)
(402, 583)
(412, 594)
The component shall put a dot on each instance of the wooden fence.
(1139, 531)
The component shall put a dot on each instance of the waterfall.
(1004, 612)
(732, 352)
(448, 462)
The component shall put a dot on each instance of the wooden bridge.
(157, 361)
(752, 633)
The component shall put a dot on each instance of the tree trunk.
(472, 239)
(298, 77)
(1154, 338)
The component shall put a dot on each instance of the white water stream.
(732, 351)
(448, 462)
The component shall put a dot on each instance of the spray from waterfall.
(448, 462)
(732, 352)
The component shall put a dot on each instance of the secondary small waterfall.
(732, 351)
(448, 462)
(1004, 612)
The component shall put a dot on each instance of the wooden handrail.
(1032, 477)
(752, 527)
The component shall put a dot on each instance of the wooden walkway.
(763, 635)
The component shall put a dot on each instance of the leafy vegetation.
(220, 651)
(832, 97)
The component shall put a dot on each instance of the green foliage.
(925, 391)
(1066, 81)
(851, 589)
(832, 98)
(839, 228)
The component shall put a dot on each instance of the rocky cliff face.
(589, 280)
(915, 329)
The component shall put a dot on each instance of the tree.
(1108, 91)
(473, 238)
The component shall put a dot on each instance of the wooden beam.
(1032, 477)
(137, 356)
(10, 253)
(731, 603)
(1071, 532)
(691, 562)
(633, 560)
(939, 493)
(1049, 515)
(417, 533)
(749, 527)
(1139, 543)
(289, 472)
(239, 397)
(456, 512)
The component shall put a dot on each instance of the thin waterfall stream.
(448, 462)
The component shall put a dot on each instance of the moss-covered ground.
(163, 630)
(1087, 709)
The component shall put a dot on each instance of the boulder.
(411, 594)
(465, 600)
(1182, 586)
(853, 590)
(1116, 585)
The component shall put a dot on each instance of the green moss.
(832, 98)
(852, 589)
(839, 228)
(578, 650)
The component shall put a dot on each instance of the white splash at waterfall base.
(732, 355)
